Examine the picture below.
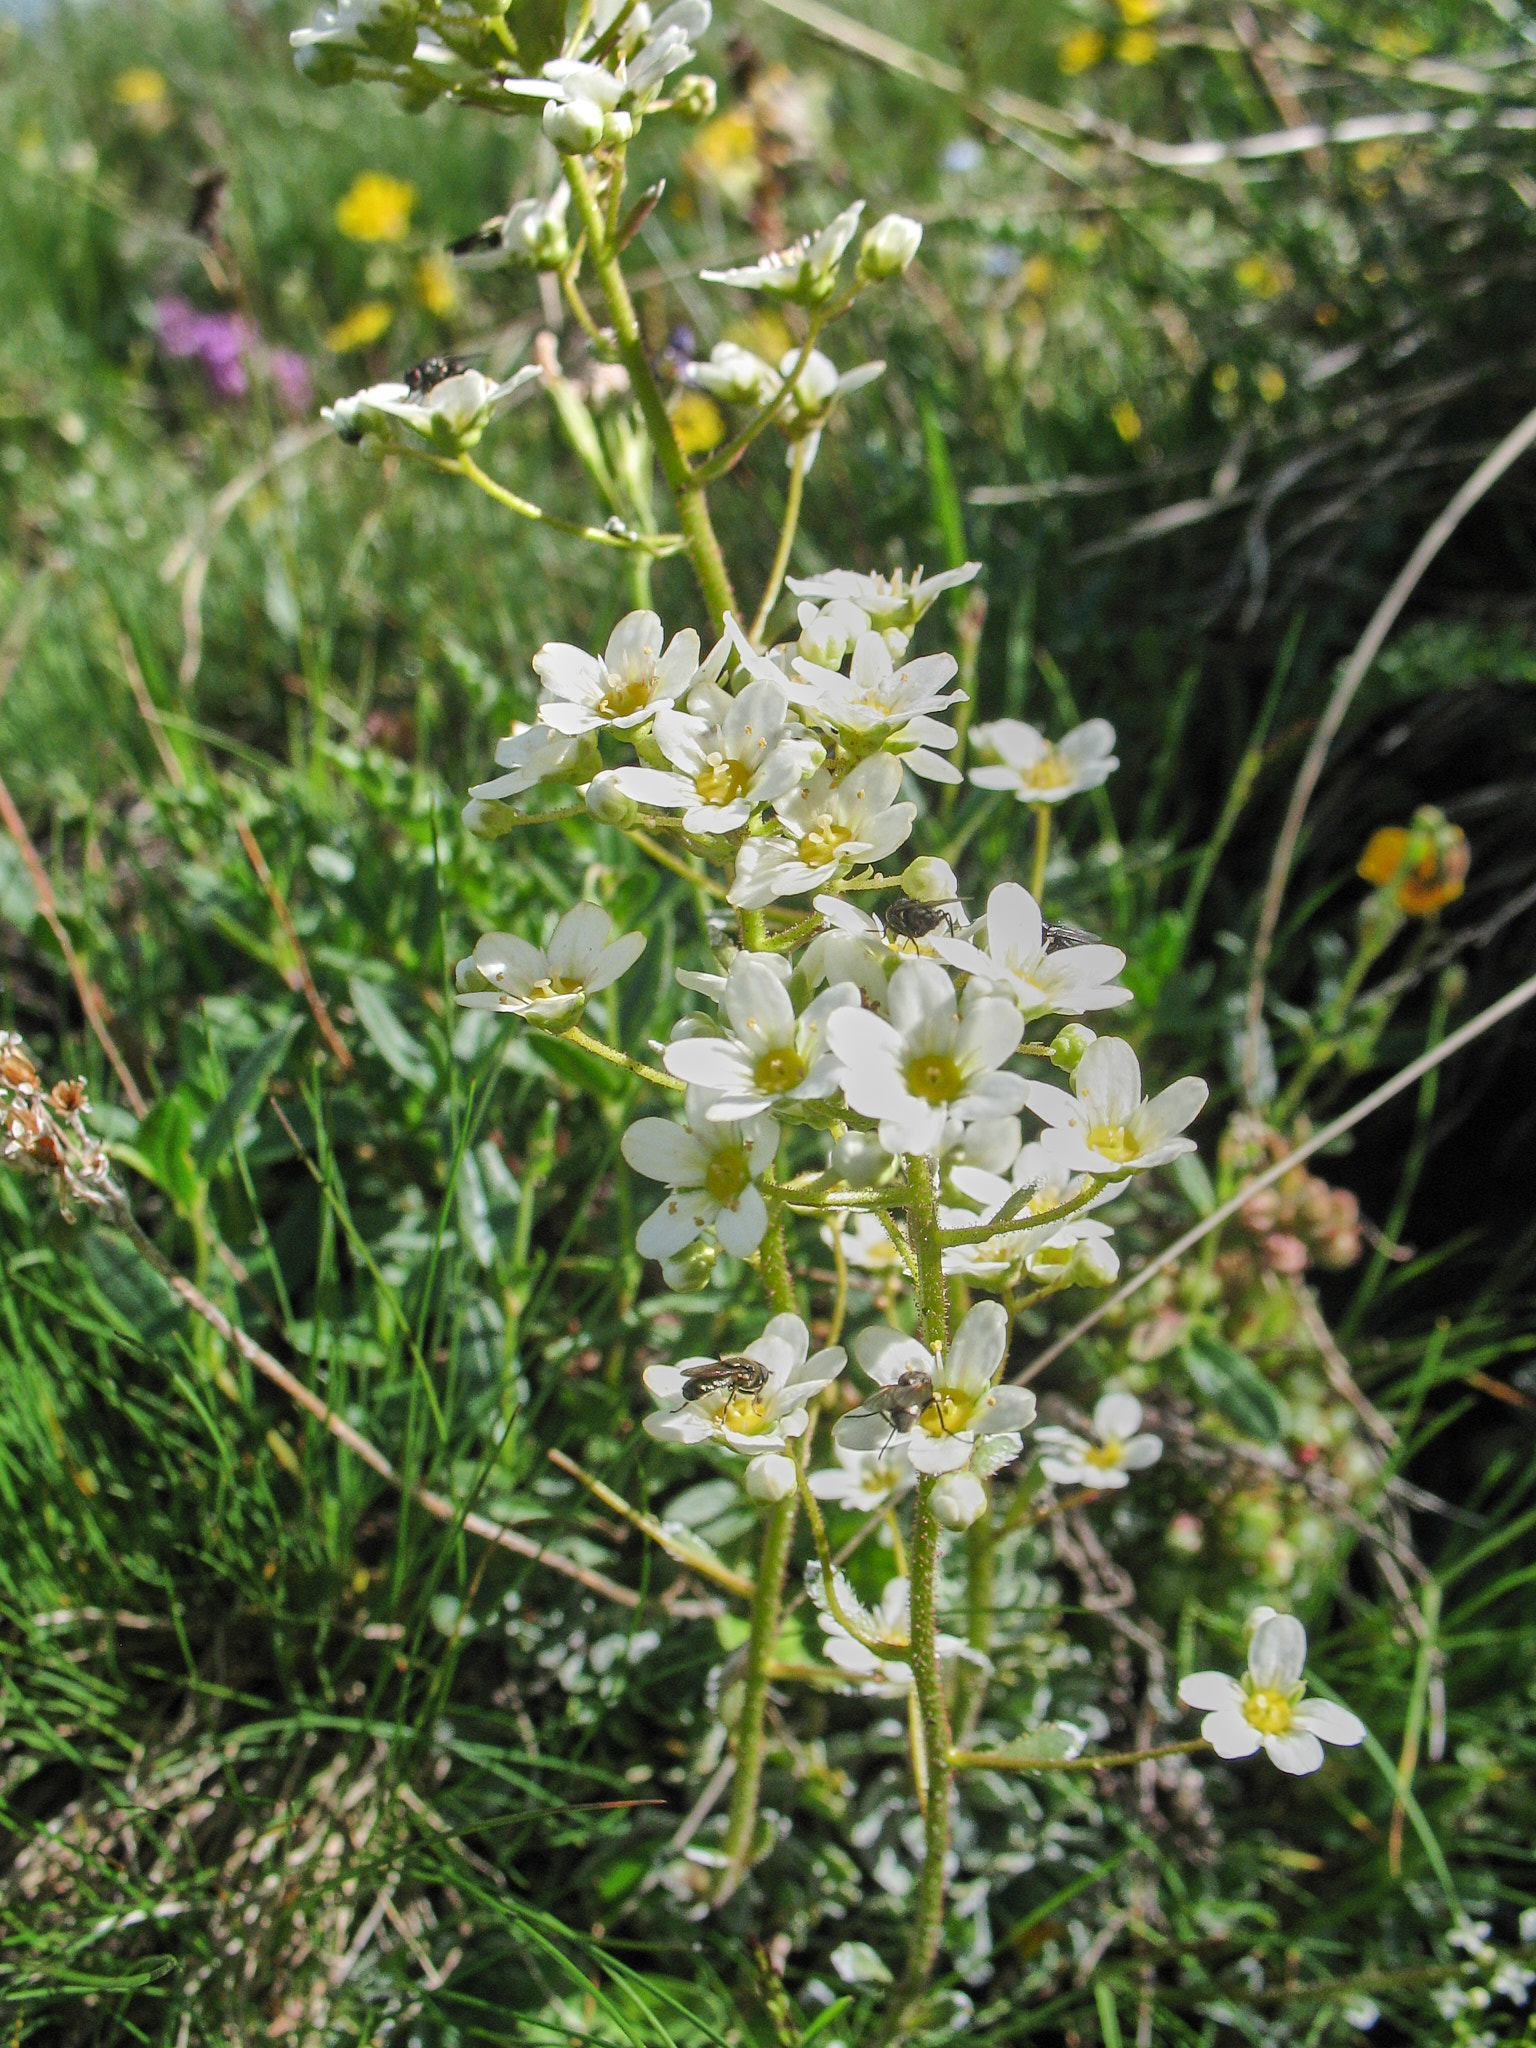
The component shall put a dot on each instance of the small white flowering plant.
(863, 1059)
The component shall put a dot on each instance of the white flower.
(1471, 1937)
(772, 1056)
(830, 827)
(1035, 771)
(1104, 1126)
(548, 984)
(814, 392)
(749, 1423)
(828, 631)
(532, 231)
(862, 1480)
(853, 947)
(1267, 1707)
(958, 1500)
(451, 414)
(744, 752)
(889, 246)
(1107, 1464)
(806, 270)
(867, 1244)
(531, 754)
(712, 1170)
(926, 1062)
(962, 1406)
(770, 1478)
(889, 1624)
(736, 375)
(1012, 960)
(1513, 1981)
(890, 603)
(631, 682)
(1072, 1251)
(876, 702)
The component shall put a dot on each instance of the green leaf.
(395, 1046)
(245, 1090)
(164, 1145)
(1053, 1742)
(130, 1286)
(1194, 1183)
(1233, 1385)
(475, 1211)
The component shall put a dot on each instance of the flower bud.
(958, 1500)
(889, 247)
(929, 880)
(1095, 1263)
(1069, 1045)
(771, 1478)
(484, 819)
(607, 802)
(574, 126)
(618, 127)
(828, 631)
(1184, 1535)
(689, 1272)
(694, 96)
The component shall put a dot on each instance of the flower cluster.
(44, 1131)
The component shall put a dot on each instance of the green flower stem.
(647, 543)
(726, 458)
(927, 1250)
(926, 1920)
(681, 1552)
(786, 542)
(1375, 937)
(766, 1616)
(657, 1079)
(664, 858)
(1119, 1760)
(981, 1590)
(687, 490)
(1042, 849)
(812, 1506)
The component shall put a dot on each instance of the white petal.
(615, 960)
(1138, 1452)
(578, 940)
(934, 1454)
(1009, 1408)
(742, 1224)
(989, 1032)
(1117, 1416)
(1326, 1718)
(1229, 1732)
(1109, 1077)
(1168, 1113)
(716, 1063)
(677, 1222)
(885, 1354)
(1210, 1691)
(1277, 1653)
(662, 1150)
(977, 1350)
(758, 1005)
(1295, 1752)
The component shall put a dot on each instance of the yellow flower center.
(934, 1077)
(1049, 772)
(779, 1069)
(1043, 1203)
(745, 1414)
(1270, 1712)
(727, 1175)
(1104, 1457)
(824, 842)
(721, 782)
(625, 696)
(1113, 1141)
(948, 1412)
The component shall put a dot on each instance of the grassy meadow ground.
(283, 1758)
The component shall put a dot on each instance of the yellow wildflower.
(1137, 13)
(1136, 46)
(1080, 52)
(697, 422)
(139, 87)
(1264, 276)
(377, 208)
(436, 286)
(1424, 864)
(725, 155)
(1224, 377)
(1270, 383)
(1127, 419)
(364, 324)
(1037, 274)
